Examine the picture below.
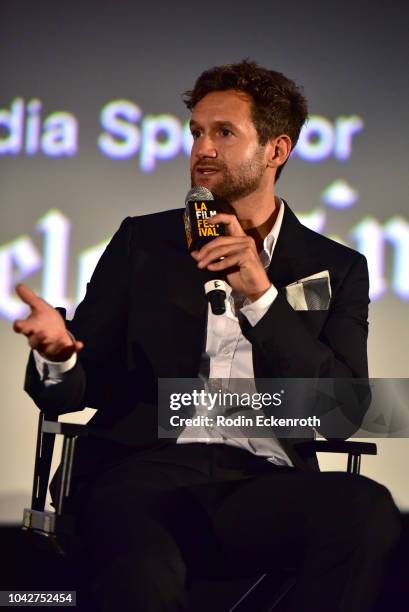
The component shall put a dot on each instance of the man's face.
(226, 155)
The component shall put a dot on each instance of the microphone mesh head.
(199, 193)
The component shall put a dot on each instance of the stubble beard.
(237, 184)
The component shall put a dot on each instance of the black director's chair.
(55, 530)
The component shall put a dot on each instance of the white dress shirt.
(227, 357)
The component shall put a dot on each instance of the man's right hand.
(45, 328)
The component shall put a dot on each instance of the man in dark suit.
(154, 513)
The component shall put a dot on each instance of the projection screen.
(93, 128)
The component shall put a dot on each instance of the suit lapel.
(187, 301)
(291, 259)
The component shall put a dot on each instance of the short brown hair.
(278, 104)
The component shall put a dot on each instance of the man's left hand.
(244, 270)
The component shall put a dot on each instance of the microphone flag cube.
(198, 223)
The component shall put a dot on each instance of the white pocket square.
(310, 293)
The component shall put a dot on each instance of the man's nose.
(204, 147)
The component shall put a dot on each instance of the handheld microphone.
(200, 207)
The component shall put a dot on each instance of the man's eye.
(195, 133)
(226, 132)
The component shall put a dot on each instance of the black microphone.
(200, 207)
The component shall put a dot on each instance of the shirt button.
(226, 351)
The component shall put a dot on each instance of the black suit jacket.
(144, 317)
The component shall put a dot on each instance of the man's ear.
(279, 149)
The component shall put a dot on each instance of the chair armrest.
(353, 449)
(66, 429)
(338, 446)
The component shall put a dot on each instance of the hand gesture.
(45, 328)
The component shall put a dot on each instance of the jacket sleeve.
(284, 347)
(100, 322)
